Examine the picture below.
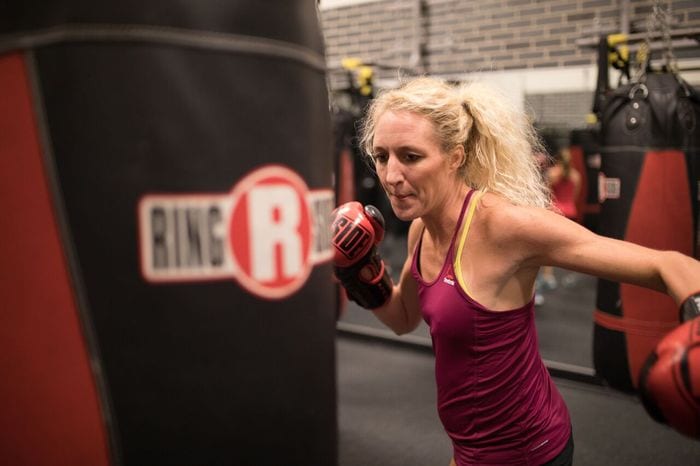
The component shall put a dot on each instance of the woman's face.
(418, 177)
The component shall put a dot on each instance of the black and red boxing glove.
(356, 232)
(669, 381)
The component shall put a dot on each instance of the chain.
(644, 52)
(666, 18)
(658, 21)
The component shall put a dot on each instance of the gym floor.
(386, 390)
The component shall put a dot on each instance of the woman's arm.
(401, 313)
(549, 239)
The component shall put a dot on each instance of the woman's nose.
(394, 171)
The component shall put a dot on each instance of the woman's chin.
(403, 213)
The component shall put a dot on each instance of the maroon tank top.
(495, 397)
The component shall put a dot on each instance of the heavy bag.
(649, 181)
(166, 187)
(585, 157)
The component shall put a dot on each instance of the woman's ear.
(457, 158)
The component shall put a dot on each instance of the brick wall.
(560, 110)
(463, 36)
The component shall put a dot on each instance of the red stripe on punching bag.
(661, 218)
(48, 398)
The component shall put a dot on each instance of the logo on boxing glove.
(356, 231)
(351, 239)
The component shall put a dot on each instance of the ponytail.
(501, 147)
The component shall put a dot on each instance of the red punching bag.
(649, 183)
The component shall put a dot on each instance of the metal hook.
(636, 88)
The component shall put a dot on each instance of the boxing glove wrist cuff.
(368, 282)
(690, 307)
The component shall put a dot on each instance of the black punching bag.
(650, 143)
(165, 188)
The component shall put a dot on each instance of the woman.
(456, 162)
(565, 184)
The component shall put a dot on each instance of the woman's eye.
(379, 158)
(412, 157)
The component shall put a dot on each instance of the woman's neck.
(441, 222)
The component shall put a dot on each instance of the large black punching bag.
(165, 188)
(650, 154)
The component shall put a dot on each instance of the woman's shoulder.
(500, 220)
(414, 231)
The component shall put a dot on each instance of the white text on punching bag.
(184, 237)
(274, 223)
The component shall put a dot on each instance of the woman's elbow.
(406, 327)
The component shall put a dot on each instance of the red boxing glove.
(669, 382)
(356, 232)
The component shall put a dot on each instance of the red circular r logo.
(270, 232)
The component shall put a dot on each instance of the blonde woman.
(456, 161)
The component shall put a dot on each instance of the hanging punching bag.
(166, 185)
(650, 142)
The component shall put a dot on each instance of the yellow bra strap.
(462, 239)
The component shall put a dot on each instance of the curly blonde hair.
(498, 138)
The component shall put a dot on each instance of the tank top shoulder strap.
(465, 204)
(462, 239)
(415, 265)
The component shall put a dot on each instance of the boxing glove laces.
(356, 232)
